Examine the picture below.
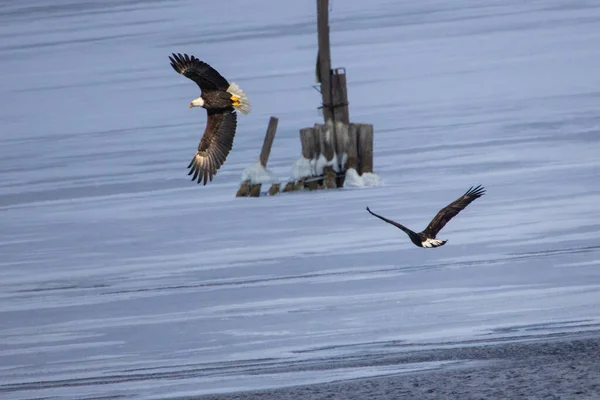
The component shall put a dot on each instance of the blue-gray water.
(119, 277)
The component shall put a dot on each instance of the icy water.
(119, 277)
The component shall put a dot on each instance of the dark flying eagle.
(427, 237)
(221, 100)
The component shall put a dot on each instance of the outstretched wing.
(200, 72)
(215, 145)
(389, 221)
(451, 210)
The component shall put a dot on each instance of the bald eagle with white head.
(221, 101)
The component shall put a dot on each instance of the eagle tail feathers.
(240, 100)
(432, 243)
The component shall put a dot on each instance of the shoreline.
(564, 366)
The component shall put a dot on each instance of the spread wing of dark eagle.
(389, 221)
(215, 145)
(451, 210)
(200, 72)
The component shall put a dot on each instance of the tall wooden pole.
(324, 57)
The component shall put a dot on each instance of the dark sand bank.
(559, 367)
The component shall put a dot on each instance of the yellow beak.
(191, 106)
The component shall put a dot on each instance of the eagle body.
(421, 240)
(427, 238)
(221, 100)
(215, 101)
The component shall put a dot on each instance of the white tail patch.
(429, 243)
(244, 106)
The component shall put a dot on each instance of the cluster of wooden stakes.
(341, 144)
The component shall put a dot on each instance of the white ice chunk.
(367, 179)
(256, 173)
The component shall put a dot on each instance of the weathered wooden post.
(268, 143)
(353, 147)
(339, 96)
(326, 140)
(324, 55)
(334, 92)
(342, 133)
(365, 148)
(244, 189)
(254, 190)
(275, 188)
(307, 140)
(249, 189)
(317, 140)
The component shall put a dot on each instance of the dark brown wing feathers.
(451, 210)
(389, 221)
(215, 145)
(200, 72)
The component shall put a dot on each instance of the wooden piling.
(244, 189)
(268, 143)
(318, 141)
(339, 96)
(307, 139)
(255, 190)
(324, 55)
(341, 144)
(365, 148)
(329, 175)
(289, 187)
(326, 136)
(352, 147)
(313, 185)
(275, 188)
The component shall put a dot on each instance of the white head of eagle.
(199, 102)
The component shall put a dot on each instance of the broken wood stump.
(352, 147)
(307, 140)
(244, 190)
(329, 178)
(249, 188)
(341, 145)
(365, 148)
(274, 189)
(255, 190)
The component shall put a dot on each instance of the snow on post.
(254, 176)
